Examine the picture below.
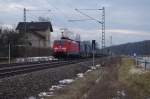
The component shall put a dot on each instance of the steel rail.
(27, 68)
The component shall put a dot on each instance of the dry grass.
(78, 88)
(138, 84)
(108, 86)
(116, 76)
(86, 88)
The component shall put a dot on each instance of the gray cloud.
(124, 15)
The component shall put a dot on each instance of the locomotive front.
(65, 48)
(59, 48)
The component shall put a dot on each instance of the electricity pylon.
(101, 21)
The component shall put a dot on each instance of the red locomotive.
(65, 47)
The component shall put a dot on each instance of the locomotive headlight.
(55, 48)
(64, 48)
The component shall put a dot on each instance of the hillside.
(140, 48)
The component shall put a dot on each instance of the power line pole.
(9, 52)
(110, 41)
(101, 21)
(24, 19)
(25, 25)
(103, 28)
(24, 16)
(26, 10)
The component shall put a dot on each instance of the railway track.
(7, 70)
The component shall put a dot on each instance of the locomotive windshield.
(59, 42)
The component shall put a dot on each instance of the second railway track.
(16, 69)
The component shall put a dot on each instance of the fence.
(143, 62)
(23, 52)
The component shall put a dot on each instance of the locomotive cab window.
(58, 42)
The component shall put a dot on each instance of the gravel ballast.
(31, 84)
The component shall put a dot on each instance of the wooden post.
(9, 48)
(145, 65)
(137, 63)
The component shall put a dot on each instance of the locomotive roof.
(66, 38)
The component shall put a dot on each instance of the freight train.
(66, 47)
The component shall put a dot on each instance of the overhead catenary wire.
(57, 9)
(79, 20)
(88, 16)
(102, 22)
(39, 14)
(65, 15)
(27, 11)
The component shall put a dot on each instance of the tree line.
(12, 38)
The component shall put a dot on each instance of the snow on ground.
(66, 81)
(146, 58)
(55, 87)
(46, 94)
(89, 70)
(32, 97)
(93, 67)
(80, 75)
(98, 65)
(35, 59)
(147, 65)
(121, 93)
(142, 61)
(51, 91)
(62, 83)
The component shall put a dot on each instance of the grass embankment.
(136, 81)
(124, 76)
(78, 88)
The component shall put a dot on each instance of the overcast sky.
(126, 20)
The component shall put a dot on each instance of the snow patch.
(42, 94)
(66, 81)
(55, 87)
(35, 59)
(93, 67)
(89, 70)
(121, 93)
(80, 75)
(31, 97)
(98, 65)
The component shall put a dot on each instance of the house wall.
(48, 37)
(46, 34)
(36, 41)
